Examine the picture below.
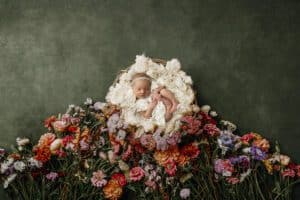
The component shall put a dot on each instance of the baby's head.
(141, 85)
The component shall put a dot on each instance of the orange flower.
(46, 139)
(43, 154)
(112, 190)
(161, 157)
(182, 160)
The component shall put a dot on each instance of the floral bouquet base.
(90, 153)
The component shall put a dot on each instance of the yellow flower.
(268, 166)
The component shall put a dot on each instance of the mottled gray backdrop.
(242, 55)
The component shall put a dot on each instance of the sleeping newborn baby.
(141, 86)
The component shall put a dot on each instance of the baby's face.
(141, 88)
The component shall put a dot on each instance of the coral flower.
(263, 144)
(211, 129)
(136, 174)
(49, 121)
(46, 139)
(43, 154)
(112, 190)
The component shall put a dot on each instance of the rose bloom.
(120, 178)
(112, 190)
(126, 155)
(136, 174)
(46, 139)
(60, 126)
(262, 144)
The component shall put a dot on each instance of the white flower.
(22, 141)
(99, 105)
(123, 166)
(19, 166)
(88, 101)
(246, 150)
(213, 113)
(185, 193)
(6, 164)
(284, 160)
(205, 108)
(9, 179)
(35, 163)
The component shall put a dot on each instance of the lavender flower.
(161, 141)
(114, 123)
(174, 138)
(84, 146)
(99, 105)
(257, 153)
(185, 193)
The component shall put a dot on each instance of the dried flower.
(98, 179)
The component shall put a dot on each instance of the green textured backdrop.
(242, 55)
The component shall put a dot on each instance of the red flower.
(48, 121)
(190, 150)
(170, 167)
(233, 180)
(72, 129)
(192, 125)
(211, 129)
(67, 139)
(288, 173)
(206, 119)
(247, 138)
(120, 178)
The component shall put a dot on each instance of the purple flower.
(174, 139)
(223, 167)
(185, 193)
(52, 176)
(84, 146)
(257, 153)
(242, 161)
(161, 141)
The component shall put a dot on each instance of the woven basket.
(158, 61)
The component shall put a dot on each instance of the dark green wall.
(242, 55)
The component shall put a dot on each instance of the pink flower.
(98, 179)
(174, 138)
(67, 139)
(223, 167)
(151, 184)
(136, 174)
(233, 180)
(192, 125)
(185, 193)
(211, 129)
(52, 176)
(298, 170)
(170, 167)
(288, 173)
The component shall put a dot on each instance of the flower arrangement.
(91, 153)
